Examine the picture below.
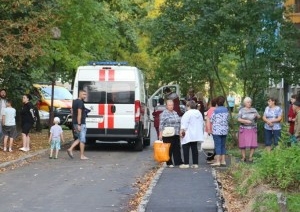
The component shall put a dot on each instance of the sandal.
(70, 154)
(250, 160)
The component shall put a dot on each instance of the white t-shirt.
(56, 131)
(10, 114)
(2, 106)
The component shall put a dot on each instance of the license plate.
(94, 120)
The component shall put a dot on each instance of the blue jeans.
(220, 144)
(272, 135)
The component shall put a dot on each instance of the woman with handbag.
(191, 132)
(248, 129)
(169, 126)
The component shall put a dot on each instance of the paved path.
(183, 190)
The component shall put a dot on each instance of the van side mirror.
(154, 102)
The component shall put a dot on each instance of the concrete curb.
(28, 156)
(24, 158)
(142, 206)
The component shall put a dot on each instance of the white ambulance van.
(116, 98)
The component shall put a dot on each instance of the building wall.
(295, 17)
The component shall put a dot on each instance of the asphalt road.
(102, 183)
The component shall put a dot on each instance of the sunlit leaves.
(204, 33)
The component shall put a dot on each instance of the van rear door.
(111, 101)
(159, 93)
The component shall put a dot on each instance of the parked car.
(44, 118)
(62, 100)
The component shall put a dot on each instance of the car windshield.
(60, 93)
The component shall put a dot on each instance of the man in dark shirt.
(191, 95)
(79, 125)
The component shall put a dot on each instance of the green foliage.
(245, 177)
(265, 203)
(293, 202)
(285, 138)
(278, 169)
(269, 202)
(90, 30)
(260, 130)
(23, 27)
(220, 41)
(281, 167)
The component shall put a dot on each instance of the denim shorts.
(272, 137)
(220, 141)
(80, 134)
(55, 144)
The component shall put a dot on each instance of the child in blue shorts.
(56, 136)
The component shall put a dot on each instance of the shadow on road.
(108, 146)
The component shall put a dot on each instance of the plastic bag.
(161, 151)
(208, 143)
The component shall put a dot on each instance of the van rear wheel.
(91, 142)
(139, 144)
(147, 141)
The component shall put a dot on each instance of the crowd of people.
(8, 127)
(189, 128)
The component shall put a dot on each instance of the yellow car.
(62, 100)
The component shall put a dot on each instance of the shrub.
(265, 202)
(281, 167)
(293, 202)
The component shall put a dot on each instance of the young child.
(9, 125)
(56, 136)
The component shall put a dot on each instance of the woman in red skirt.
(248, 129)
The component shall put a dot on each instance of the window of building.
(297, 6)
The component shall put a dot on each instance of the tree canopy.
(214, 41)
(222, 45)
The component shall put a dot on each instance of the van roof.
(110, 63)
(36, 85)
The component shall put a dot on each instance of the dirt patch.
(142, 184)
(235, 202)
(39, 141)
